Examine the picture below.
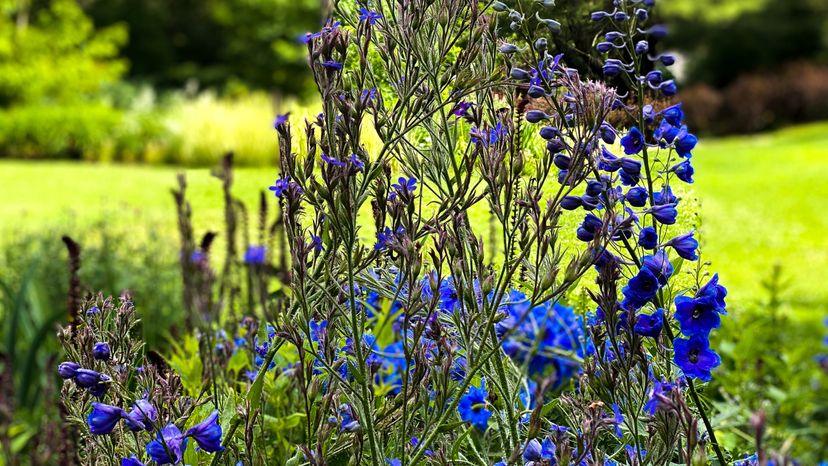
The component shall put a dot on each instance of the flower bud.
(604, 47)
(508, 49)
(101, 351)
(641, 14)
(541, 44)
(641, 47)
(549, 132)
(68, 369)
(551, 24)
(561, 161)
(654, 77)
(519, 74)
(620, 16)
(668, 88)
(570, 202)
(536, 92)
(612, 36)
(555, 145)
(599, 15)
(536, 116)
(500, 7)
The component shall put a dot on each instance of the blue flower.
(370, 16)
(665, 213)
(570, 202)
(462, 109)
(68, 369)
(659, 390)
(255, 255)
(668, 88)
(713, 290)
(697, 316)
(589, 228)
(659, 264)
(536, 116)
(633, 142)
(538, 452)
(617, 420)
(649, 325)
(607, 133)
(630, 171)
(101, 351)
(695, 357)
(87, 378)
(131, 461)
(142, 416)
(673, 115)
(176, 444)
(207, 433)
(103, 418)
(640, 289)
(472, 407)
(280, 120)
(332, 161)
(332, 64)
(648, 238)
(684, 171)
(685, 246)
(280, 186)
(348, 424)
(637, 196)
(665, 196)
(393, 462)
(356, 162)
(405, 185)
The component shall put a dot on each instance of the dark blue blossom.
(633, 142)
(673, 115)
(640, 289)
(348, 424)
(538, 452)
(280, 186)
(101, 351)
(665, 214)
(697, 316)
(332, 64)
(176, 444)
(659, 391)
(131, 461)
(332, 161)
(695, 358)
(280, 120)
(472, 407)
(649, 325)
(68, 369)
(462, 109)
(685, 246)
(87, 378)
(207, 433)
(405, 185)
(668, 88)
(648, 238)
(142, 416)
(636, 197)
(617, 420)
(607, 133)
(684, 171)
(659, 264)
(393, 462)
(103, 418)
(570, 202)
(589, 228)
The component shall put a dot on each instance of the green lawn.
(761, 200)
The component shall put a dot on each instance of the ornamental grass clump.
(568, 324)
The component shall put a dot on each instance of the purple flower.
(175, 442)
(280, 120)
(103, 418)
(659, 390)
(665, 214)
(356, 162)
(87, 378)
(659, 264)
(370, 16)
(589, 228)
(684, 171)
(685, 246)
(538, 452)
(280, 186)
(405, 185)
(68, 369)
(332, 161)
(332, 64)
(636, 197)
(640, 289)
(101, 351)
(207, 433)
(617, 420)
(695, 358)
(255, 255)
(648, 238)
(697, 316)
(131, 461)
(633, 142)
(461, 109)
(142, 416)
(649, 325)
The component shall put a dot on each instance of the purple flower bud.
(142, 416)
(551, 24)
(667, 60)
(280, 121)
(589, 202)
(536, 116)
(103, 418)
(207, 433)
(659, 31)
(101, 351)
(636, 197)
(648, 238)
(649, 114)
(68, 369)
(593, 188)
(665, 214)
(673, 115)
(633, 142)
(604, 47)
(599, 15)
(500, 7)
(613, 67)
(668, 88)
(536, 92)
(654, 77)
(685, 246)
(549, 132)
(87, 378)
(612, 36)
(607, 133)
(541, 44)
(684, 171)
(641, 14)
(641, 47)
(570, 202)
(519, 74)
(555, 145)
(508, 49)
(620, 16)
(561, 161)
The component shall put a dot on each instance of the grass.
(762, 203)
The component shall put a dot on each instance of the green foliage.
(216, 42)
(57, 58)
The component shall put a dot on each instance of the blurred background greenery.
(102, 102)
